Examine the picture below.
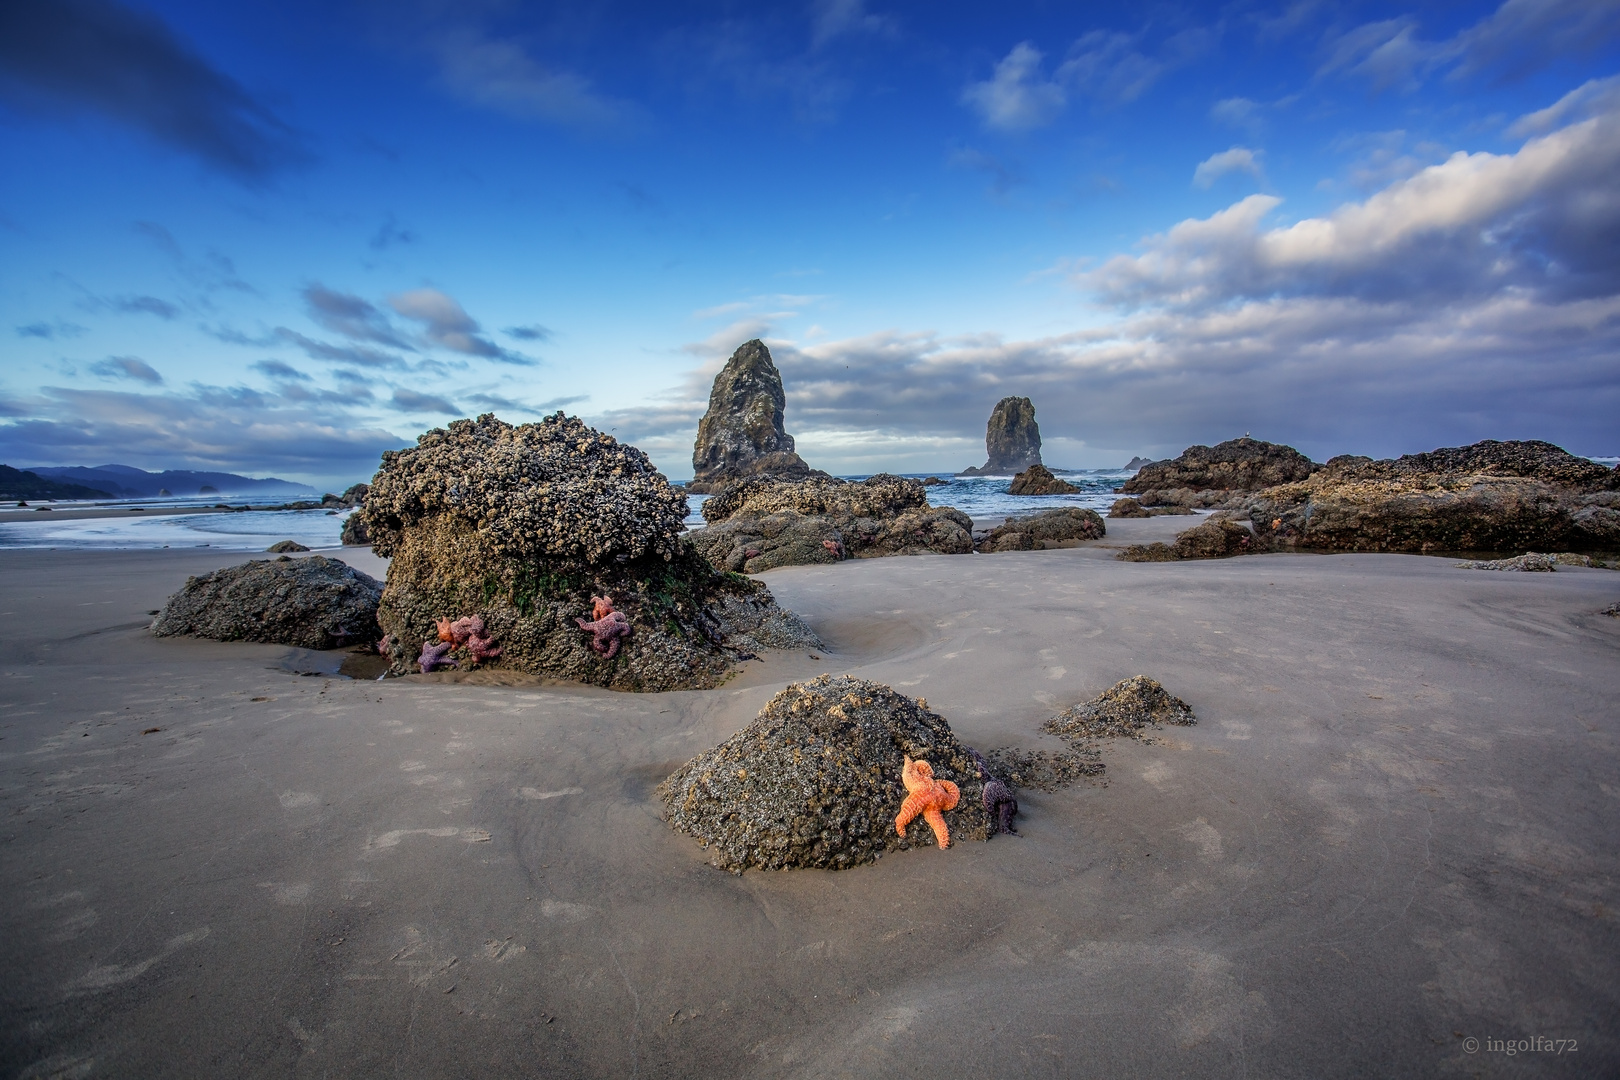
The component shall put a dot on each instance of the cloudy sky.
(280, 238)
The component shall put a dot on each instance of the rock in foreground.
(1038, 480)
(814, 781)
(526, 526)
(1530, 561)
(1066, 527)
(313, 603)
(1124, 709)
(757, 525)
(1216, 538)
(741, 434)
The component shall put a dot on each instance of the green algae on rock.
(814, 780)
(524, 525)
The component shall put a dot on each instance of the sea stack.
(1012, 438)
(741, 435)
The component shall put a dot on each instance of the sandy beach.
(1392, 830)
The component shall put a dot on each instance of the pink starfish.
(607, 629)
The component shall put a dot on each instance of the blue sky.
(281, 238)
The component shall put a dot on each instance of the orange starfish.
(445, 633)
(928, 797)
(601, 607)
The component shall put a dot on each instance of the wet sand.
(1392, 829)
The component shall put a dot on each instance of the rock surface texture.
(523, 526)
(1130, 508)
(355, 533)
(1012, 439)
(757, 525)
(1038, 480)
(1217, 538)
(815, 780)
(1124, 709)
(741, 434)
(313, 603)
(1067, 527)
(1207, 475)
(1491, 496)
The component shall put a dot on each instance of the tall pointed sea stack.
(1012, 438)
(741, 435)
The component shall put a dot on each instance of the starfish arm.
(937, 821)
(908, 811)
(953, 795)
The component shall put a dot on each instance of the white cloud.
(1545, 219)
(832, 19)
(127, 367)
(1592, 98)
(1237, 159)
(446, 323)
(1237, 112)
(1018, 96)
(1109, 67)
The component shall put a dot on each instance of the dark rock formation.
(1136, 463)
(523, 526)
(1122, 710)
(313, 603)
(814, 781)
(933, 481)
(741, 435)
(759, 524)
(17, 484)
(1012, 438)
(1454, 499)
(1217, 538)
(355, 533)
(1067, 527)
(1038, 480)
(281, 547)
(1130, 508)
(354, 496)
(1235, 465)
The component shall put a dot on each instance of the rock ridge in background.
(1235, 465)
(741, 434)
(1012, 439)
(1038, 480)
(757, 525)
(524, 525)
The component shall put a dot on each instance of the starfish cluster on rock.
(469, 631)
(606, 627)
(836, 547)
(435, 654)
(928, 797)
(999, 802)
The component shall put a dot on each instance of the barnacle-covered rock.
(815, 780)
(883, 495)
(1038, 480)
(1066, 527)
(523, 526)
(311, 603)
(1216, 538)
(1122, 710)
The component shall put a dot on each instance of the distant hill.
(16, 484)
(124, 482)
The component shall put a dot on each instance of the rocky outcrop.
(1216, 538)
(1130, 508)
(882, 495)
(1491, 496)
(355, 533)
(1038, 480)
(758, 525)
(815, 780)
(741, 435)
(1011, 437)
(1067, 527)
(1530, 561)
(524, 526)
(1237, 465)
(1136, 463)
(1123, 710)
(282, 547)
(313, 603)
(354, 496)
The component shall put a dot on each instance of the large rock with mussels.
(741, 435)
(524, 525)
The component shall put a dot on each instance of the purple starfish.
(606, 632)
(999, 802)
(434, 655)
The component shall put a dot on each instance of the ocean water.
(977, 496)
(252, 530)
